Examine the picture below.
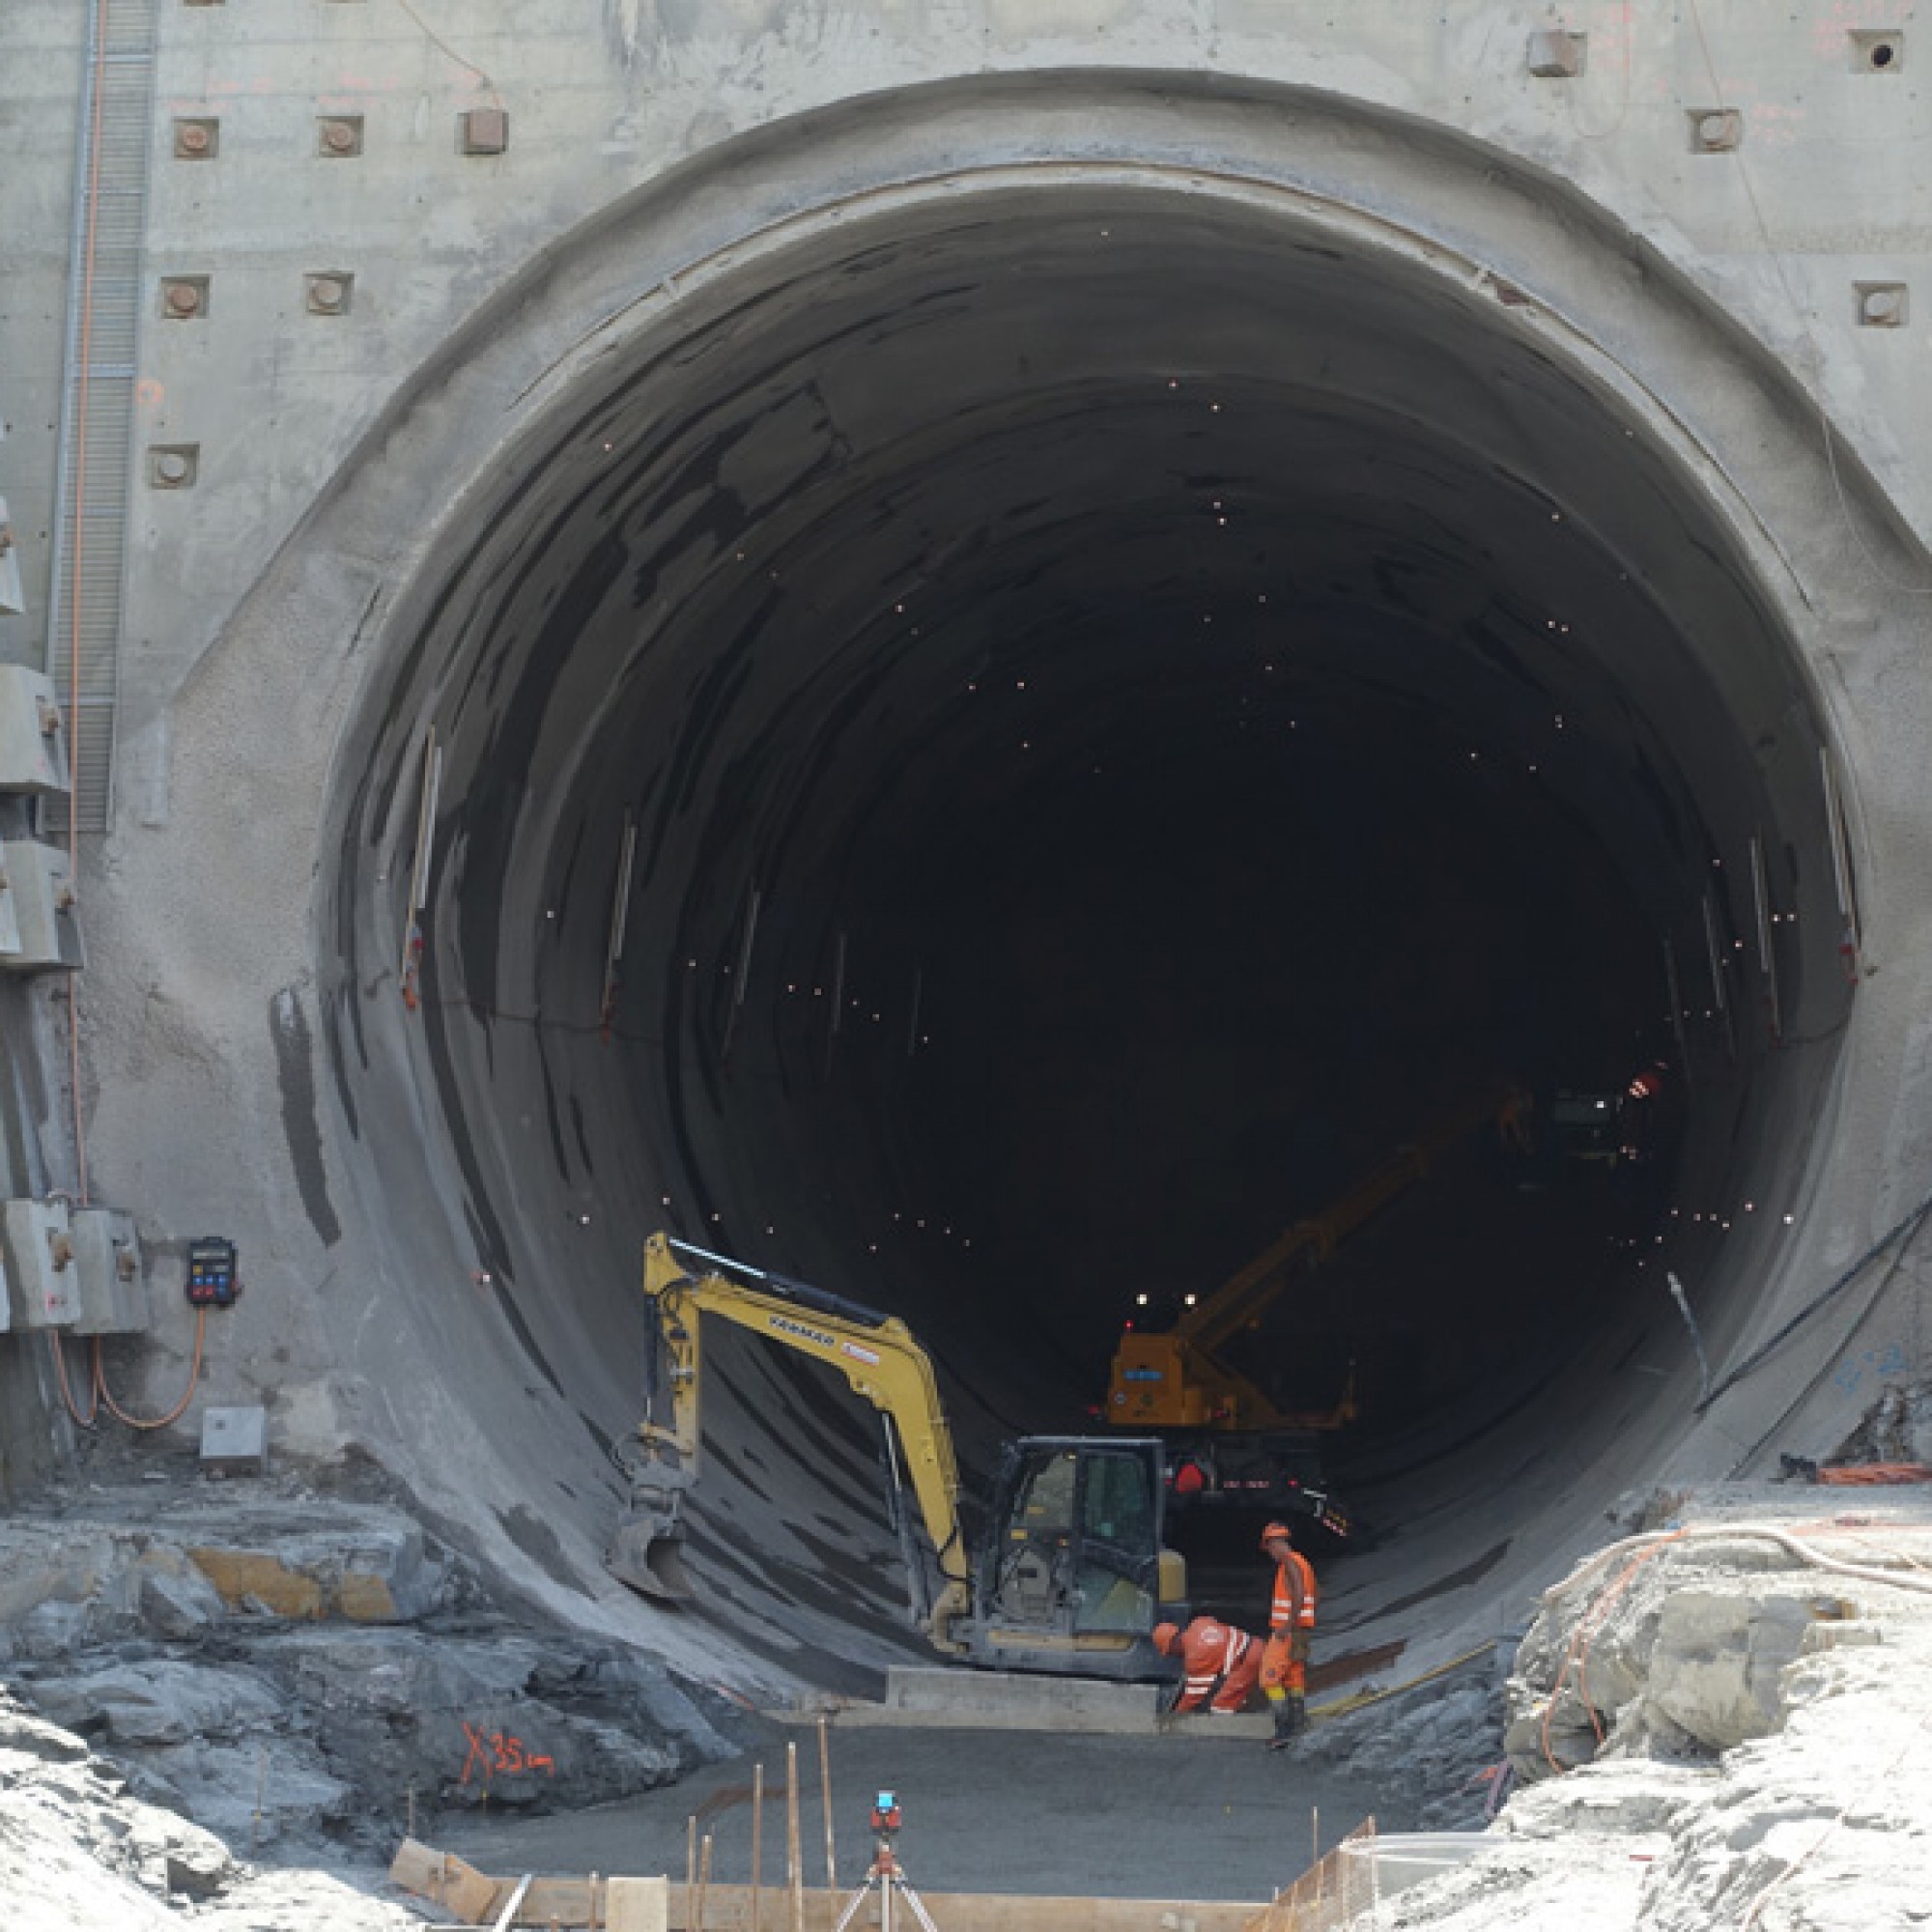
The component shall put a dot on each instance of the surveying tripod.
(885, 1878)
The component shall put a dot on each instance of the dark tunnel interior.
(1126, 711)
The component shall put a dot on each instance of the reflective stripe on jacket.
(1209, 1652)
(1294, 1594)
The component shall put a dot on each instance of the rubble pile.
(1432, 1753)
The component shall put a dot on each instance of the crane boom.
(1180, 1380)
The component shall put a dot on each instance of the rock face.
(80, 1853)
(1716, 1666)
(284, 1671)
(1680, 1649)
(1750, 1728)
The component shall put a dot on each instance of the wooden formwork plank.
(473, 1898)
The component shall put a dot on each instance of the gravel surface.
(1167, 1817)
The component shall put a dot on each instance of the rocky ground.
(1724, 1722)
(219, 1695)
(293, 1665)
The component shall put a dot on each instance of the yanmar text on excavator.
(1073, 1574)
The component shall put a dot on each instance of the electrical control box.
(233, 1441)
(33, 741)
(9, 922)
(40, 887)
(213, 1281)
(113, 1287)
(43, 1283)
(13, 601)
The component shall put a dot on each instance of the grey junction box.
(43, 1283)
(33, 743)
(233, 1441)
(107, 1260)
(41, 888)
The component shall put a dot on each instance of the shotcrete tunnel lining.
(544, 1117)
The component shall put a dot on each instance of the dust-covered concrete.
(1180, 1817)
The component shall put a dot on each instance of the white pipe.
(1865, 1572)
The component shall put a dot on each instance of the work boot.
(1285, 1726)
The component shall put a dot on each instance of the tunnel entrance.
(999, 757)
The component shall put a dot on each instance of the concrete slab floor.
(985, 1811)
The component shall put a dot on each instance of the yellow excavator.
(1073, 1574)
(1228, 1440)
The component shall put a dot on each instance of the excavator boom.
(876, 1355)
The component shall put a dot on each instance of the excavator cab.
(1074, 1572)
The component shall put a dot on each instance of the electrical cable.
(1585, 1634)
(443, 47)
(187, 1394)
(99, 84)
(1908, 1227)
(1362, 1699)
(88, 1420)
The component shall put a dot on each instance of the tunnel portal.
(1005, 753)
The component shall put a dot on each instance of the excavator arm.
(877, 1355)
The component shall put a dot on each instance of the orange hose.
(187, 1394)
(1853, 1474)
(1586, 1629)
(67, 1393)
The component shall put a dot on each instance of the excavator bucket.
(647, 1552)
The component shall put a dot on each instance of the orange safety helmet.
(1273, 1530)
(1165, 1636)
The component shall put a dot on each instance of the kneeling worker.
(1216, 1660)
(1291, 1631)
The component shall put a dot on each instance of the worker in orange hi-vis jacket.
(1217, 1661)
(1291, 1631)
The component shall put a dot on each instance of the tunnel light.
(1190, 1300)
(1140, 1301)
(583, 1220)
(1788, 1220)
